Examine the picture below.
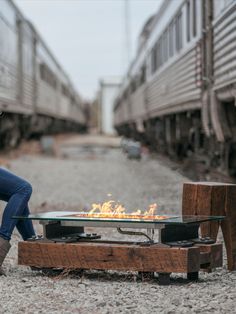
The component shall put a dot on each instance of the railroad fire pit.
(65, 244)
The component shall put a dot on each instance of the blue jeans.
(16, 192)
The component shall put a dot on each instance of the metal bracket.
(136, 233)
(56, 230)
(172, 233)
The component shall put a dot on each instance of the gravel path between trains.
(85, 174)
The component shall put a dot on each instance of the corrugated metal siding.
(174, 86)
(64, 106)
(8, 54)
(122, 113)
(47, 99)
(138, 109)
(77, 114)
(8, 81)
(27, 64)
(28, 93)
(224, 49)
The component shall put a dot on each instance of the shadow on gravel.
(107, 276)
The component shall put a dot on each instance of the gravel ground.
(80, 175)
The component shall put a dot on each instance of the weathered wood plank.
(109, 256)
(213, 199)
(211, 254)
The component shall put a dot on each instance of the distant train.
(179, 94)
(36, 95)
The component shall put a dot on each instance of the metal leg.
(56, 230)
(192, 276)
(173, 233)
(146, 275)
(150, 233)
(164, 279)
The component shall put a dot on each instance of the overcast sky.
(88, 36)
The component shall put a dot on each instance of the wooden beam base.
(122, 257)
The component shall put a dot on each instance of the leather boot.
(4, 248)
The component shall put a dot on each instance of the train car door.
(26, 46)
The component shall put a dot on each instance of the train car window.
(72, 98)
(157, 55)
(133, 86)
(47, 75)
(175, 35)
(160, 53)
(8, 42)
(138, 80)
(171, 39)
(27, 49)
(143, 74)
(41, 71)
(164, 47)
(162, 42)
(154, 59)
(65, 91)
(178, 32)
(188, 21)
(125, 94)
(194, 18)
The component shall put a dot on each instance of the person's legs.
(25, 226)
(16, 192)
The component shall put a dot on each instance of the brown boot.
(4, 248)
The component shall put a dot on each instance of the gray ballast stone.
(74, 183)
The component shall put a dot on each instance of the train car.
(36, 95)
(11, 103)
(223, 94)
(181, 89)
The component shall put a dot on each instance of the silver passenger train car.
(180, 90)
(36, 95)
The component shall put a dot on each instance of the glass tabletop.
(156, 219)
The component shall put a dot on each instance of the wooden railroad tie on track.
(214, 199)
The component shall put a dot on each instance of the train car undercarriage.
(181, 136)
(15, 127)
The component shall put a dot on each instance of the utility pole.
(128, 50)
(127, 32)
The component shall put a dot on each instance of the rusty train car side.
(179, 92)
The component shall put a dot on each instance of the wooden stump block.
(214, 199)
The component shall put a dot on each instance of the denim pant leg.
(16, 192)
(25, 226)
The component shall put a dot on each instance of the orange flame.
(111, 209)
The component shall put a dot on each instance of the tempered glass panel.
(157, 219)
